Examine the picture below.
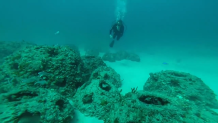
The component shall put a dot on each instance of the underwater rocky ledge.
(46, 84)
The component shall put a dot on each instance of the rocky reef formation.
(120, 55)
(92, 52)
(182, 85)
(45, 84)
(36, 82)
(34, 104)
(103, 100)
(7, 48)
(97, 98)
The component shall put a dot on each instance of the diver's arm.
(114, 26)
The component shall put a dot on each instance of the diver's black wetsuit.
(116, 33)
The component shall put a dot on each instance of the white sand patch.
(80, 118)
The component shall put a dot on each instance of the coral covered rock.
(8, 47)
(100, 98)
(148, 107)
(182, 85)
(120, 55)
(104, 101)
(92, 52)
(91, 63)
(36, 82)
(50, 66)
(109, 57)
(107, 74)
(97, 98)
(35, 105)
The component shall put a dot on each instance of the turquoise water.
(181, 34)
(158, 22)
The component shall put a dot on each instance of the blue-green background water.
(178, 30)
(156, 22)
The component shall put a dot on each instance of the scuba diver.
(116, 31)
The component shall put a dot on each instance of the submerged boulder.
(104, 101)
(48, 66)
(147, 107)
(120, 55)
(9, 47)
(46, 83)
(107, 74)
(182, 85)
(37, 81)
(96, 99)
(35, 105)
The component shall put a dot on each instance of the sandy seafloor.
(203, 64)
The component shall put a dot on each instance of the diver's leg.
(118, 37)
(114, 36)
(112, 42)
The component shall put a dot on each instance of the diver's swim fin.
(112, 44)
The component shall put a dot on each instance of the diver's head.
(119, 22)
